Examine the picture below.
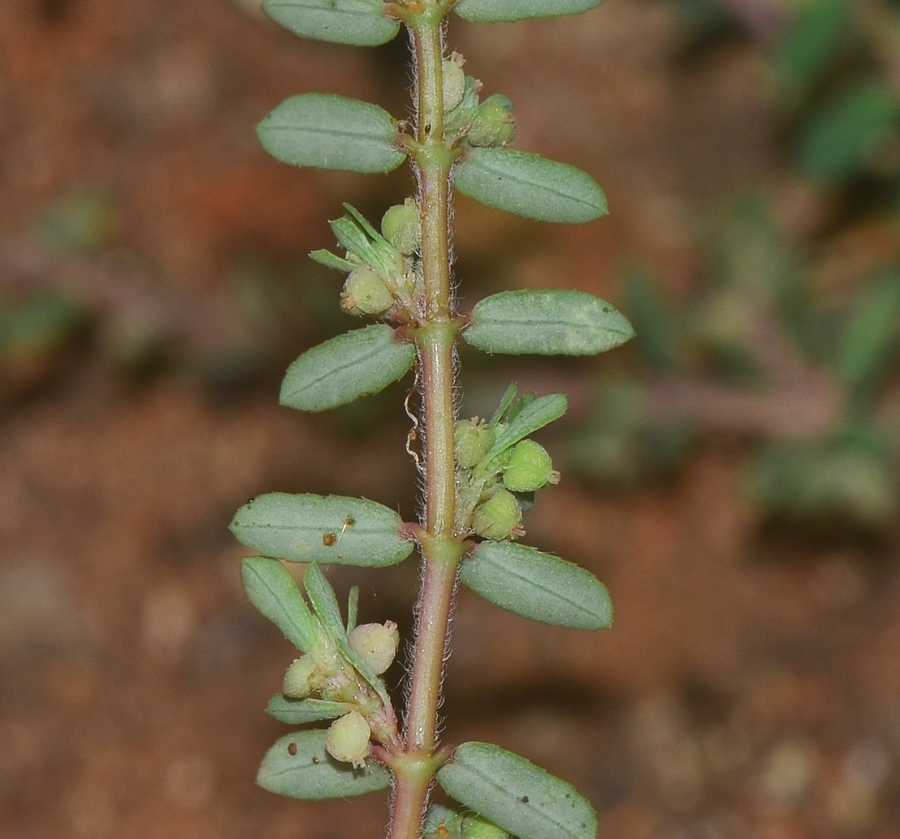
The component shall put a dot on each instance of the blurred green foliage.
(762, 322)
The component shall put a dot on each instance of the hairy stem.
(435, 337)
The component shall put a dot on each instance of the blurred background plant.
(789, 338)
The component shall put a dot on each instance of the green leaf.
(516, 795)
(538, 586)
(298, 766)
(302, 711)
(871, 337)
(529, 185)
(330, 260)
(506, 401)
(322, 528)
(534, 416)
(273, 591)
(841, 140)
(325, 131)
(325, 605)
(361, 23)
(356, 364)
(546, 323)
(352, 608)
(500, 11)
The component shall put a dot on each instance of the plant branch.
(435, 337)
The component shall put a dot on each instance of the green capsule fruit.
(376, 644)
(454, 81)
(529, 468)
(478, 827)
(365, 293)
(348, 739)
(500, 517)
(301, 678)
(473, 439)
(493, 124)
(402, 227)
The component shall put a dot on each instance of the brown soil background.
(750, 686)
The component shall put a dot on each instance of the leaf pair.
(324, 131)
(505, 788)
(366, 23)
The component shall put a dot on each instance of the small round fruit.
(365, 293)
(300, 678)
(529, 468)
(376, 644)
(500, 517)
(402, 227)
(473, 438)
(348, 739)
(454, 81)
(493, 124)
(478, 827)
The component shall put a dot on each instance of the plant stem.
(435, 337)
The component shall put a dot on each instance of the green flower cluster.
(326, 674)
(494, 486)
(382, 274)
(487, 124)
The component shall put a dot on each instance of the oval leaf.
(345, 368)
(517, 795)
(361, 23)
(302, 711)
(529, 185)
(325, 131)
(322, 528)
(546, 323)
(538, 586)
(498, 11)
(298, 766)
(273, 591)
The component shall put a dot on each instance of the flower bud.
(454, 81)
(478, 827)
(473, 438)
(376, 644)
(402, 227)
(493, 124)
(301, 678)
(365, 293)
(348, 739)
(529, 468)
(500, 517)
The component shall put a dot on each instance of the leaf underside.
(356, 364)
(302, 711)
(536, 585)
(327, 529)
(515, 794)
(361, 23)
(298, 766)
(500, 11)
(529, 185)
(552, 322)
(324, 131)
